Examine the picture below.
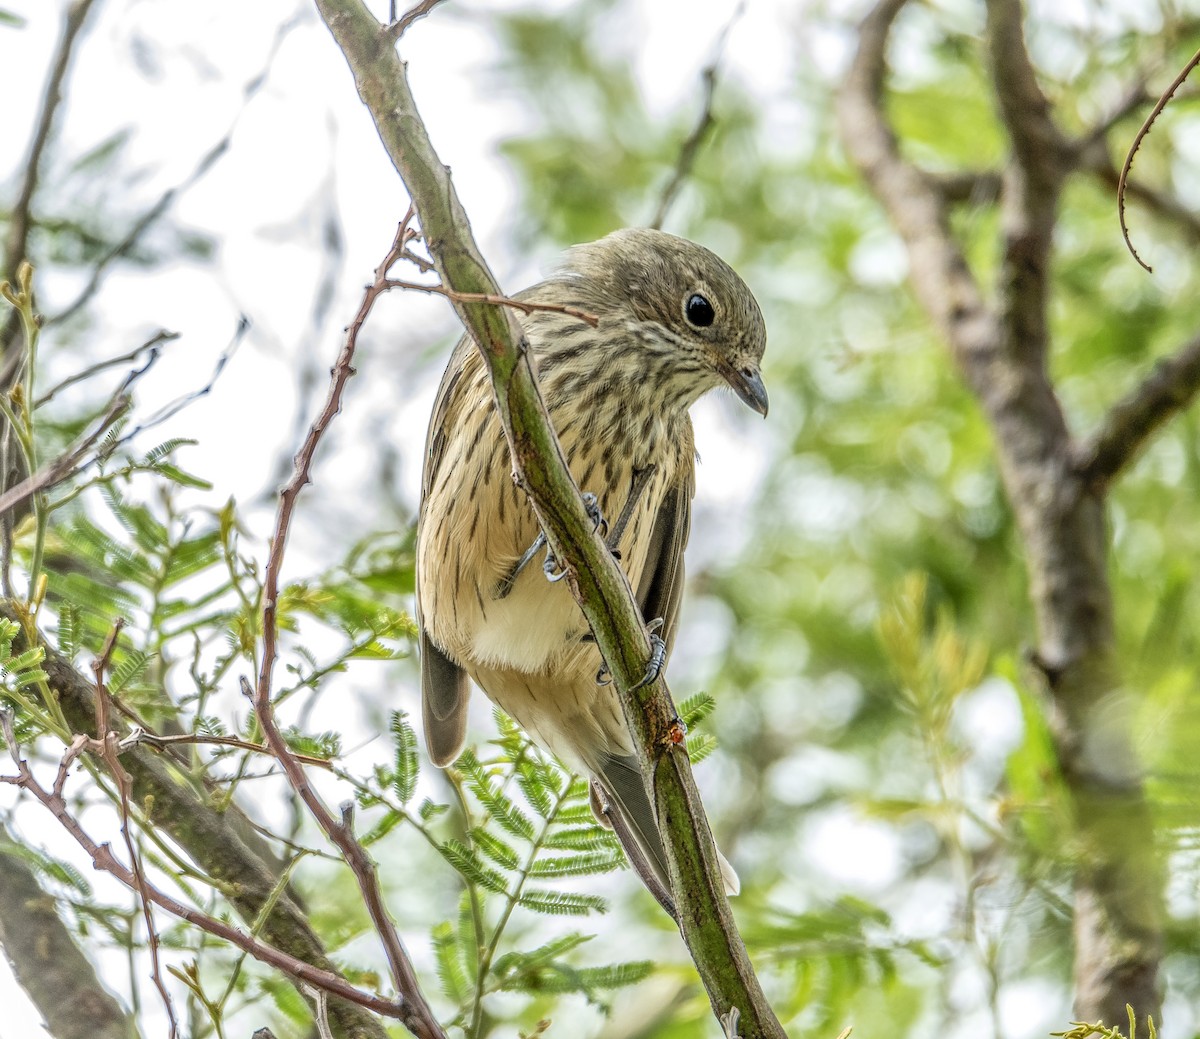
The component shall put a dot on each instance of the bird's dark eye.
(699, 311)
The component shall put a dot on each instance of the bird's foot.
(551, 568)
(658, 655)
(654, 666)
(550, 565)
(506, 585)
(592, 504)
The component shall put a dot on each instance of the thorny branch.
(417, 1016)
(1140, 136)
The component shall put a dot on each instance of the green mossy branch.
(600, 587)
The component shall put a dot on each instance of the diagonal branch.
(1134, 420)
(914, 201)
(418, 1017)
(20, 219)
(48, 963)
(594, 577)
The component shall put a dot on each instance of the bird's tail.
(620, 782)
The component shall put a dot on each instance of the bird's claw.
(658, 656)
(592, 504)
(603, 676)
(552, 570)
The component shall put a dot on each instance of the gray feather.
(444, 698)
(622, 782)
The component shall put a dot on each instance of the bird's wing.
(445, 690)
(661, 584)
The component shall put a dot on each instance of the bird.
(674, 322)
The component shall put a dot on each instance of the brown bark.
(1055, 488)
(48, 964)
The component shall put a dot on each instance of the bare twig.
(172, 195)
(704, 124)
(20, 219)
(140, 735)
(1166, 207)
(152, 344)
(1140, 136)
(418, 1017)
(111, 755)
(500, 301)
(99, 666)
(1133, 421)
(69, 462)
(399, 26)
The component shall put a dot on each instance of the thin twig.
(400, 25)
(140, 735)
(152, 344)
(172, 195)
(111, 755)
(1140, 136)
(20, 219)
(700, 131)
(418, 1017)
(99, 666)
(499, 301)
(69, 462)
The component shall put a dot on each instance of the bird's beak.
(748, 385)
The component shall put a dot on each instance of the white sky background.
(175, 76)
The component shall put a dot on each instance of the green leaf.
(580, 838)
(495, 849)
(507, 815)
(68, 630)
(449, 958)
(696, 708)
(701, 746)
(585, 864)
(467, 863)
(131, 668)
(407, 762)
(430, 809)
(562, 903)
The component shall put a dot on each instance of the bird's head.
(687, 310)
